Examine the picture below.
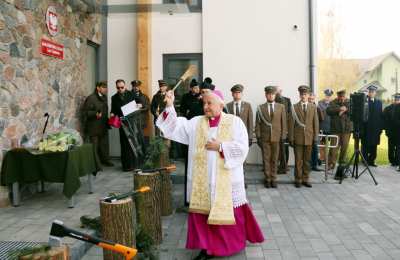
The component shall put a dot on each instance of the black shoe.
(274, 185)
(267, 184)
(297, 185)
(203, 255)
(307, 184)
(316, 169)
(108, 164)
(372, 165)
(127, 170)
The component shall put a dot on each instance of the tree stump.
(117, 222)
(148, 204)
(55, 253)
(166, 194)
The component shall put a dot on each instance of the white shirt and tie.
(237, 105)
(271, 108)
(304, 106)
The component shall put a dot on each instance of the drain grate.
(8, 246)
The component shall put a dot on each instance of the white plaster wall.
(177, 33)
(121, 59)
(254, 43)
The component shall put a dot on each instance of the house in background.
(381, 71)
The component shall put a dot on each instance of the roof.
(367, 65)
(375, 83)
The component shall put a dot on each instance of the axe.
(113, 198)
(188, 73)
(169, 169)
(58, 231)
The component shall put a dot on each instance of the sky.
(369, 27)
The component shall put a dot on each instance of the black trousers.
(393, 151)
(128, 159)
(369, 153)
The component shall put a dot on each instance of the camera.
(358, 108)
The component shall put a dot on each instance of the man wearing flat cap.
(303, 131)
(342, 126)
(242, 109)
(270, 130)
(372, 128)
(157, 103)
(391, 129)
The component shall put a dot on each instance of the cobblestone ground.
(354, 220)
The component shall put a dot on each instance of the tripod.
(355, 159)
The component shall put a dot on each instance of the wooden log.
(117, 222)
(148, 205)
(166, 194)
(164, 156)
(55, 253)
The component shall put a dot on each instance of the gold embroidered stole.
(221, 212)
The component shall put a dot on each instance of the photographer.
(341, 126)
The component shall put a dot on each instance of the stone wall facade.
(32, 84)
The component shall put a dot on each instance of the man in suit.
(391, 130)
(303, 131)
(342, 126)
(372, 128)
(270, 129)
(284, 149)
(121, 98)
(241, 109)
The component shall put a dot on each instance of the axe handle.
(128, 252)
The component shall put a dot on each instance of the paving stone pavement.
(354, 220)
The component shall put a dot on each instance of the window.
(194, 5)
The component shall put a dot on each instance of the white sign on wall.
(52, 21)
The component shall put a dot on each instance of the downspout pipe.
(312, 66)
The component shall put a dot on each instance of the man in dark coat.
(142, 101)
(95, 113)
(325, 123)
(191, 104)
(121, 98)
(372, 128)
(391, 129)
(341, 125)
(157, 103)
(284, 149)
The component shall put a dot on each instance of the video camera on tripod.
(358, 109)
(358, 115)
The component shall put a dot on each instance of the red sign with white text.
(52, 49)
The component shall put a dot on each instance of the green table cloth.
(22, 166)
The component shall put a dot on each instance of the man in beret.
(391, 129)
(157, 102)
(242, 109)
(325, 122)
(284, 149)
(342, 126)
(270, 131)
(303, 131)
(372, 128)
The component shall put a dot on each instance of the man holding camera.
(372, 128)
(303, 131)
(340, 125)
